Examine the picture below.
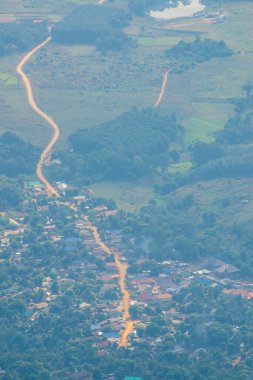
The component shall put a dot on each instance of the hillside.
(132, 146)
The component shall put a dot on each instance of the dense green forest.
(19, 37)
(17, 156)
(239, 128)
(11, 193)
(100, 26)
(186, 55)
(132, 146)
(143, 7)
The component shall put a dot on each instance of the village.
(152, 285)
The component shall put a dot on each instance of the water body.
(181, 10)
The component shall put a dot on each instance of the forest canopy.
(89, 24)
(16, 156)
(15, 38)
(11, 193)
(133, 145)
(186, 55)
(142, 7)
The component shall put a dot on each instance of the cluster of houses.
(146, 288)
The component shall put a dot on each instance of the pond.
(181, 10)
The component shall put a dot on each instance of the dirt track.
(122, 267)
(56, 131)
(164, 83)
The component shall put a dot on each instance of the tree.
(55, 287)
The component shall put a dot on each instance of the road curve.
(56, 131)
(122, 267)
(164, 83)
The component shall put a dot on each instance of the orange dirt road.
(122, 269)
(56, 131)
(164, 83)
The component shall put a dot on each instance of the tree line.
(17, 157)
(186, 55)
(19, 37)
(142, 7)
(133, 145)
(90, 24)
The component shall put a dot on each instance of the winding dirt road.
(164, 83)
(122, 267)
(56, 131)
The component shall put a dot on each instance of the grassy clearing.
(158, 41)
(55, 17)
(180, 167)
(209, 196)
(16, 115)
(198, 128)
(128, 196)
(13, 6)
(208, 119)
(72, 84)
(8, 79)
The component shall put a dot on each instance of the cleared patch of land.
(230, 199)
(8, 79)
(128, 195)
(180, 167)
(16, 115)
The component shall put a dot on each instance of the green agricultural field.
(158, 41)
(208, 119)
(8, 79)
(129, 196)
(82, 80)
(180, 167)
(16, 115)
